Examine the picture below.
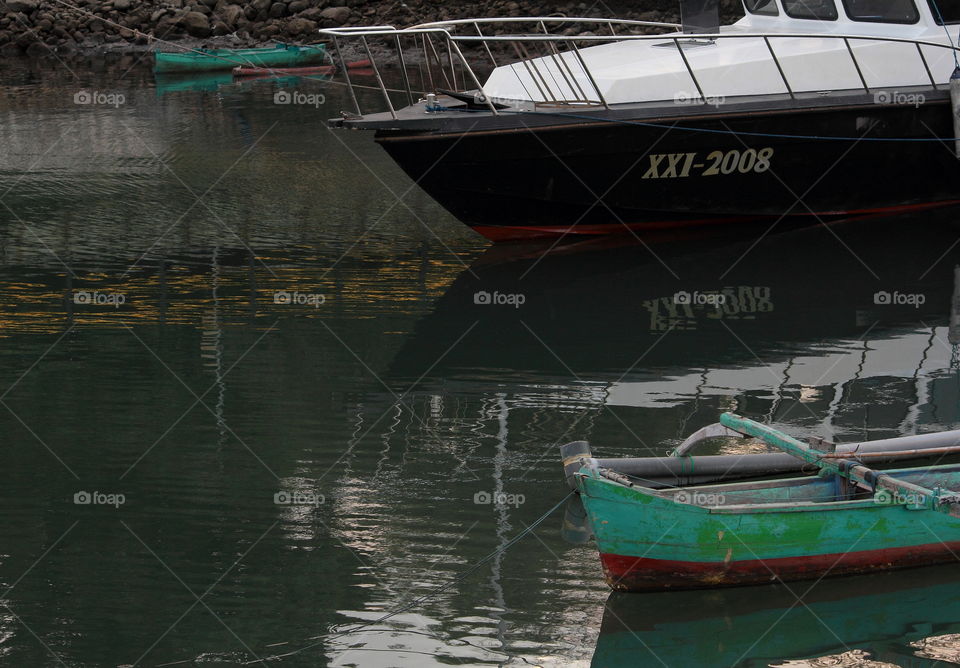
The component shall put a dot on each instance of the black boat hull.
(587, 176)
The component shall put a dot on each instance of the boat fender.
(955, 107)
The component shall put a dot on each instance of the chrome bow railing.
(555, 68)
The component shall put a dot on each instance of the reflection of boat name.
(681, 310)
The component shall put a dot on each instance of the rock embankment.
(39, 27)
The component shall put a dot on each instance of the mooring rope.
(436, 591)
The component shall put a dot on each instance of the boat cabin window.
(821, 10)
(764, 7)
(945, 11)
(884, 11)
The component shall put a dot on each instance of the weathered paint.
(649, 541)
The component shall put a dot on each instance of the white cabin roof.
(814, 59)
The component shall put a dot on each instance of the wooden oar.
(914, 496)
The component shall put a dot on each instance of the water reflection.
(397, 400)
(906, 618)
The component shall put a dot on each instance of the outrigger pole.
(887, 489)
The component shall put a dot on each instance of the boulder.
(268, 31)
(312, 14)
(230, 15)
(196, 24)
(25, 6)
(278, 10)
(299, 26)
(298, 6)
(336, 15)
(121, 5)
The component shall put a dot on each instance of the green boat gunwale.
(775, 506)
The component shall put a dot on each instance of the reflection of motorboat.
(675, 310)
(887, 614)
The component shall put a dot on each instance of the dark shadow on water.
(694, 301)
(892, 617)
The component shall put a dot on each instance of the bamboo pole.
(913, 496)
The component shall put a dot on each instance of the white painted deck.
(653, 69)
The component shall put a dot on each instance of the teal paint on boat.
(281, 55)
(755, 532)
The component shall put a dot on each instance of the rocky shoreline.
(57, 27)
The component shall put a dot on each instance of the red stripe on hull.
(526, 232)
(624, 573)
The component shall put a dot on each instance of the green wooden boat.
(849, 519)
(280, 55)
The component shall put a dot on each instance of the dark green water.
(397, 400)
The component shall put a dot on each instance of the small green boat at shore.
(848, 519)
(209, 60)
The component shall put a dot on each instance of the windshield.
(882, 11)
(765, 7)
(949, 10)
(823, 10)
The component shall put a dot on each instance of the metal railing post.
(676, 42)
(586, 71)
(376, 71)
(486, 46)
(923, 59)
(346, 74)
(856, 65)
(473, 76)
(403, 71)
(779, 69)
(562, 65)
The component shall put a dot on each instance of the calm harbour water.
(389, 402)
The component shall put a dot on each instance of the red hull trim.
(522, 232)
(625, 573)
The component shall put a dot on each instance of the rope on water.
(425, 597)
